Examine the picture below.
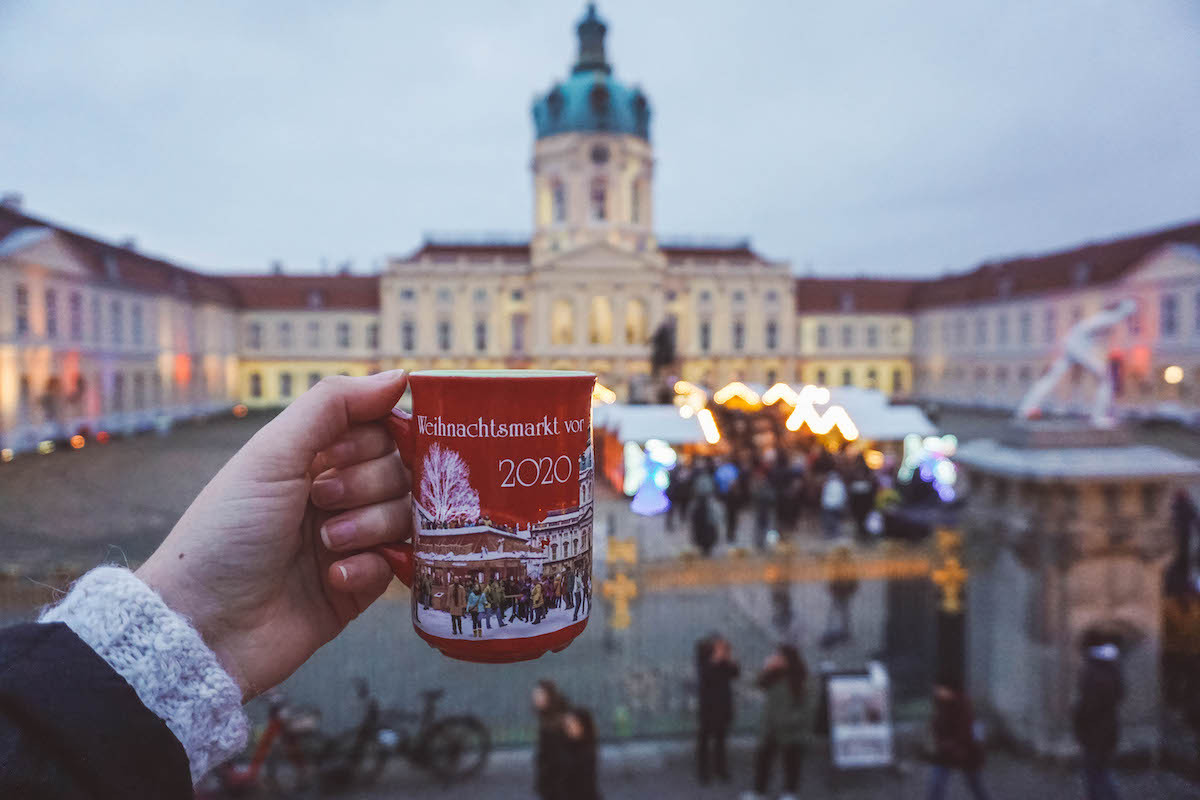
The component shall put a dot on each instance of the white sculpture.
(1085, 346)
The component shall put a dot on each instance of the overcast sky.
(846, 137)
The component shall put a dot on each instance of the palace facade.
(98, 336)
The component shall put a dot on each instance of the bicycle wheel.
(457, 747)
(345, 763)
(292, 767)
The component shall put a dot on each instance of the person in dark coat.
(1101, 690)
(954, 744)
(861, 487)
(785, 722)
(703, 509)
(572, 774)
(549, 704)
(715, 671)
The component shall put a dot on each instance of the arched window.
(562, 322)
(635, 201)
(599, 200)
(635, 322)
(600, 321)
(553, 552)
(558, 200)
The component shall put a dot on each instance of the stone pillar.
(1068, 531)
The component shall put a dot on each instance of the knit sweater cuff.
(162, 657)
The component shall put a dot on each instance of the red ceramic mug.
(502, 469)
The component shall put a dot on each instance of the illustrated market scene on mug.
(578, 400)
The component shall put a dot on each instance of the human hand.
(271, 559)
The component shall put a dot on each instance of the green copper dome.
(591, 99)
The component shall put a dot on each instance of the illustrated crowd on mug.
(527, 599)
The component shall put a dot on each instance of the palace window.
(517, 323)
(598, 200)
(255, 384)
(1025, 326)
(285, 384)
(285, 336)
(847, 377)
(739, 296)
(635, 322)
(600, 321)
(116, 321)
(896, 335)
(51, 314)
(635, 201)
(562, 322)
(847, 336)
(408, 293)
(445, 295)
(408, 336)
(343, 334)
(1050, 326)
(739, 335)
(118, 392)
(254, 336)
(705, 296)
(22, 309)
(822, 377)
(705, 336)
(558, 200)
(1168, 316)
(135, 323)
(444, 335)
(772, 336)
(96, 318)
(314, 334)
(981, 331)
(822, 336)
(897, 380)
(480, 335)
(75, 315)
(1002, 330)
(373, 335)
(872, 336)
(872, 378)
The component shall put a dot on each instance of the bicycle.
(285, 771)
(452, 748)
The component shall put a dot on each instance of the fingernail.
(337, 533)
(342, 570)
(327, 491)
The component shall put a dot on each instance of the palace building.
(98, 336)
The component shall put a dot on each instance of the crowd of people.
(955, 738)
(778, 489)
(527, 599)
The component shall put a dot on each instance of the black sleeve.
(71, 727)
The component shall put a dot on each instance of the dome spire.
(591, 31)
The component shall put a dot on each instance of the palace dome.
(591, 99)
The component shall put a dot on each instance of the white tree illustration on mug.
(446, 489)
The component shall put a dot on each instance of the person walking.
(549, 705)
(572, 774)
(426, 590)
(863, 485)
(954, 744)
(736, 495)
(537, 598)
(833, 504)
(495, 603)
(703, 509)
(1101, 690)
(457, 606)
(715, 672)
(577, 584)
(569, 587)
(474, 607)
(679, 492)
(558, 589)
(785, 721)
(762, 499)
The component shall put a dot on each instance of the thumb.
(320, 416)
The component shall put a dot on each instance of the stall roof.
(878, 421)
(632, 423)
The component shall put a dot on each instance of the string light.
(708, 426)
(737, 389)
(601, 394)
